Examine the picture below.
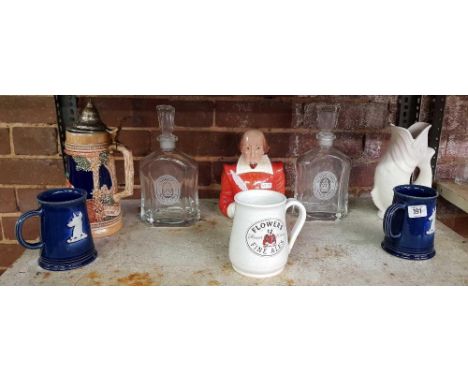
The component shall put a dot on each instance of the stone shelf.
(326, 253)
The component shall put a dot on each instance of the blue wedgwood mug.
(66, 242)
(409, 223)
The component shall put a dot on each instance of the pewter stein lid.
(89, 121)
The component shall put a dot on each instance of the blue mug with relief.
(409, 223)
(66, 242)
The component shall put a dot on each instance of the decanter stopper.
(166, 139)
(327, 118)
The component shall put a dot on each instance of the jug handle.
(299, 222)
(128, 170)
(19, 229)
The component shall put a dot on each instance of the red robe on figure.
(266, 175)
(269, 239)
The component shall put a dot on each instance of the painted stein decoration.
(259, 245)
(91, 166)
(66, 241)
(253, 171)
(409, 223)
(407, 151)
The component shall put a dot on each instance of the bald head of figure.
(253, 146)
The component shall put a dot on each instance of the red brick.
(208, 143)
(31, 228)
(303, 142)
(204, 173)
(281, 144)
(28, 109)
(35, 141)
(455, 115)
(208, 194)
(5, 142)
(266, 114)
(141, 112)
(362, 175)
(32, 171)
(457, 146)
(137, 141)
(218, 169)
(445, 171)
(375, 145)
(193, 114)
(114, 111)
(27, 198)
(351, 144)
(352, 116)
(290, 172)
(9, 253)
(8, 200)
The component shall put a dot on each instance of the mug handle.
(388, 217)
(129, 172)
(19, 230)
(299, 222)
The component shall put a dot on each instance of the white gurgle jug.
(407, 151)
(259, 245)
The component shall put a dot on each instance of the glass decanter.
(169, 180)
(322, 174)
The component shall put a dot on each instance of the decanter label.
(266, 237)
(167, 190)
(325, 185)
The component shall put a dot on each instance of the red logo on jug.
(266, 237)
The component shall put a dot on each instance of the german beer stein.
(259, 245)
(409, 223)
(66, 241)
(91, 166)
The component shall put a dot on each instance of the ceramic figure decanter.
(253, 171)
(408, 150)
(322, 174)
(169, 180)
(91, 166)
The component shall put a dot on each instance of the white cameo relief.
(431, 229)
(77, 224)
(325, 185)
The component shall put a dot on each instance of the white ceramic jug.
(259, 245)
(408, 149)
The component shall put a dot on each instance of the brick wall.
(209, 129)
(29, 163)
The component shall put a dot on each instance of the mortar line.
(9, 241)
(25, 124)
(12, 148)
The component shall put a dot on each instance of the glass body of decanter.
(169, 180)
(322, 174)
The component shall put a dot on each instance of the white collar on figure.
(263, 166)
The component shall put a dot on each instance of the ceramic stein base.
(66, 265)
(407, 256)
(256, 275)
(107, 228)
